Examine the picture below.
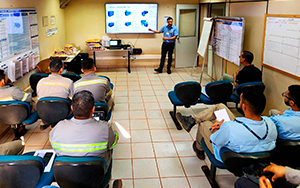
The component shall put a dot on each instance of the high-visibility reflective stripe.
(7, 99)
(108, 93)
(79, 145)
(25, 97)
(54, 84)
(90, 82)
(116, 140)
(80, 150)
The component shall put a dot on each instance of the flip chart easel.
(202, 48)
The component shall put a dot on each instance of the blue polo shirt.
(288, 124)
(169, 32)
(237, 138)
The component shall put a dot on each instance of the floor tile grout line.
(151, 139)
(131, 141)
(173, 141)
(174, 145)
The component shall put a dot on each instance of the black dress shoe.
(158, 70)
(187, 122)
(169, 71)
(200, 154)
(117, 183)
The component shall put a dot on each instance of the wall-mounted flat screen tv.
(130, 17)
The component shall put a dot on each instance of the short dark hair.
(294, 94)
(2, 75)
(248, 56)
(87, 64)
(83, 103)
(255, 100)
(56, 65)
(169, 18)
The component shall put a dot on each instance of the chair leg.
(173, 115)
(211, 175)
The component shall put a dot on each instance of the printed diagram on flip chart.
(282, 44)
(131, 18)
(228, 39)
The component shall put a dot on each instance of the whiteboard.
(228, 39)
(205, 35)
(281, 48)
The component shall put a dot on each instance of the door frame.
(197, 23)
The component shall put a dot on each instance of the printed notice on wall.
(4, 43)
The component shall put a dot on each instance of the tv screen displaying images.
(130, 17)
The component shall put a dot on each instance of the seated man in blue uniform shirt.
(170, 32)
(252, 133)
(288, 122)
(234, 134)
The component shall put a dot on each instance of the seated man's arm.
(113, 138)
(108, 91)
(221, 137)
(235, 80)
(292, 175)
(20, 95)
(71, 90)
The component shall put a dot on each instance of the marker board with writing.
(281, 44)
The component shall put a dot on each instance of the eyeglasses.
(284, 95)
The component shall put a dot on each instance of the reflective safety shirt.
(55, 86)
(98, 86)
(11, 93)
(88, 137)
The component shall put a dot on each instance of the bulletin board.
(228, 38)
(18, 41)
(281, 46)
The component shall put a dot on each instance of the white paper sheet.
(41, 153)
(222, 114)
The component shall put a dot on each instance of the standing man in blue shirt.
(170, 35)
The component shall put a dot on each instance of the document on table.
(222, 114)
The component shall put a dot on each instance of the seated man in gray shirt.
(97, 85)
(83, 135)
(11, 93)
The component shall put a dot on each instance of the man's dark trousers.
(166, 47)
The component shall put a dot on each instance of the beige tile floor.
(157, 155)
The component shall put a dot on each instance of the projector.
(137, 50)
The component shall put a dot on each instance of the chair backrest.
(188, 92)
(287, 153)
(20, 171)
(78, 172)
(258, 87)
(74, 77)
(53, 109)
(101, 110)
(35, 78)
(13, 112)
(219, 91)
(43, 66)
(75, 64)
(235, 162)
